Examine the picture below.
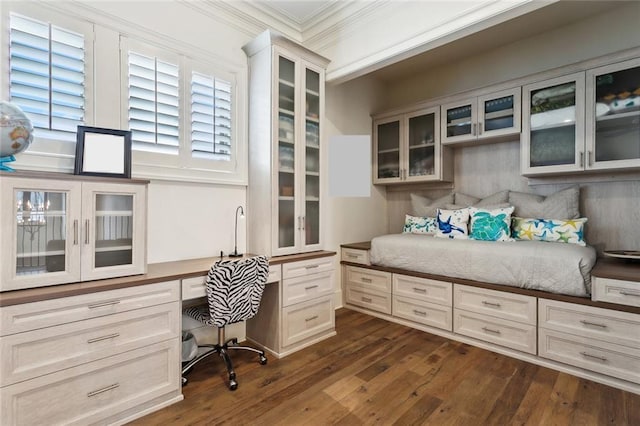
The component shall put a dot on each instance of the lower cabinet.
(298, 312)
(94, 358)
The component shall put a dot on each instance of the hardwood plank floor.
(377, 372)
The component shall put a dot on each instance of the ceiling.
(299, 11)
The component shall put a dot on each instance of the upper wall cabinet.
(407, 148)
(479, 119)
(286, 112)
(55, 231)
(584, 121)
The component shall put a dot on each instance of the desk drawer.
(510, 334)
(307, 319)
(369, 279)
(616, 291)
(38, 352)
(622, 328)
(606, 358)
(91, 392)
(195, 287)
(423, 312)
(307, 267)
(355, 256)
(370, 299)
(301, 289)
(511, 306)
(31, 316)
(433, 291)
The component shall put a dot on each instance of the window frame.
(46, 153)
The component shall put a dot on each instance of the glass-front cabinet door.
(499, 113)
(288, 221)
(113, 230)
(553, 126)
(311, 225)
(459, 121)
(387, 137)
(40, 233)
(423, 149)
(613, 116)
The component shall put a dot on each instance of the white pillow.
(419, 225)
(453, 224)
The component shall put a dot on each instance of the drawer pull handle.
(311, 266)
(106, 389)
(421, 313)
(366, 280)
(492, 304)
(108, 336)
(419, 290)
(311, 287)
(593, 324)
(490, 330)
(366, 299)
(312, 318)
(103, 304)
(626, 293)
(352, 256)
(588, 355)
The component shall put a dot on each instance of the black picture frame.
(103, 152)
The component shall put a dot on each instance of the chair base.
(223, 351)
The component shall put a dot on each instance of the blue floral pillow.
(558, 231)
(420, 225)
(490, 225)
(453, 224)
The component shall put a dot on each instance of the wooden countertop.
(156, 272)
(365, 245)
(617, 269)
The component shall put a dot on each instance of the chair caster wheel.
(263, 360)
(233, 385)
(184, 381)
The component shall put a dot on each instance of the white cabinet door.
(113, 230)
(387, 156)
(553, 126)
(459, 121)
(613, 116)
(39, 232)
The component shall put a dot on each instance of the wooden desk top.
(156, 272)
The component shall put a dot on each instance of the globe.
(16, 133)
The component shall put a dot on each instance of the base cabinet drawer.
(38, 352)
(94, 391)
(422, 312)
(616, 291)
(370, 299)
(516, 307)
(355, 256)
(606, 358)
(424, 289)
(301, 289)
(195, 287)
(510, 334)
(369, 279)
(307, 319)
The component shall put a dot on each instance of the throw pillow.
(420, 225)
(565, 203)
(453, 224)
(552, 230)
(426, 207)
(465, 200)
(490, 225)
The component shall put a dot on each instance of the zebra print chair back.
(234, 289)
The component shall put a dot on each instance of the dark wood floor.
(377, 372)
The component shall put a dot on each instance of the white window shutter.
(47, 76)
(210, 117)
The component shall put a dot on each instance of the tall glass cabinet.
(285, 146)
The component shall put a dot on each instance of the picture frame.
(103, 152)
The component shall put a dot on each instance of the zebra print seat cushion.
(234, 290)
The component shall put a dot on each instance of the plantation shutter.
(210, 117)
(154, 104)
(47, 76)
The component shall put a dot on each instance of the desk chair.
(234, 290)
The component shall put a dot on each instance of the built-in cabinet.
(286, 109)
(407, 148)
(583, 121)
(481, 118)
(57, 229)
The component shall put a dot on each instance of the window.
(47, 76)
(210, 117)
(154, 104)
